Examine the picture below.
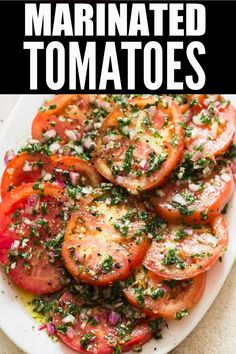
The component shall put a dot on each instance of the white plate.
(18, 324)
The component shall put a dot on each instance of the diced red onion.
(189, 260)
(144, 164)
(74, 177)
(206, 171)
(233, 167)
(88, 143)
(194, 187)
(27, 167)
(225, 177)
(196, 156)
(106, 139)
(103, 104)
(119, 179)
(54, 147)
(60, 183)
(42, 326)
(70, 332)
(71, 135)
(165, 288)
(152, 111)
(113, 318)
(31, 203)
(49, 134)
(51, 329)
(179, 199)
(188, 116)
(188, 231)
(69, 319)
(47, 177)
(9, 155)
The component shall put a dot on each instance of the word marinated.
(100, 46)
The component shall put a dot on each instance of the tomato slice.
(45, 126)
(212, 123)
(195, 201)
(143, 101)
(24, 168)
(106, 237)
(31, 228)
(187, 251)
(97, 329)
(66, 104)
(158, 297)
(83, 173)
(137, 148)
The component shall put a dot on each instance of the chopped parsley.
(128, 159)
(85, 340)
(171, 258)
(107, 263)
(181, 314)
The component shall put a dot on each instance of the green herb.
(63, 328)
(194, 102)
(204, 215)
(155, 162)
(206, 119)
(107, 263)
(184, 210)
(128, 159)
(231, 153)
(181, 314)
(52, 106)
(140, 297)
(44, 208)
(224, 211)
(86, 338)
(171, 258)
(179, 235)
(187, 130)
(157, 293)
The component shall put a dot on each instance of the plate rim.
(186, 330)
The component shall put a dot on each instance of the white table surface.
(215, 334)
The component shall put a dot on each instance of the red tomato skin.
(140, 334)
(159, 177)
(74, 164)
(18, 176)
(137, 254)
(45, 279)
(219, 227)
(165, 307)
(42, 123)
(214, 204)
(223, 141)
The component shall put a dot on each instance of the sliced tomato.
(105, 238)
(143, 101)
(31, 229)
(24, 168)
(66, 104)
(80, 172)
(92, 330)
(202, 200)
(45, 126)
(184, 101)
(187, 251)
(137, 148)
(158, 297)
(212, 123)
